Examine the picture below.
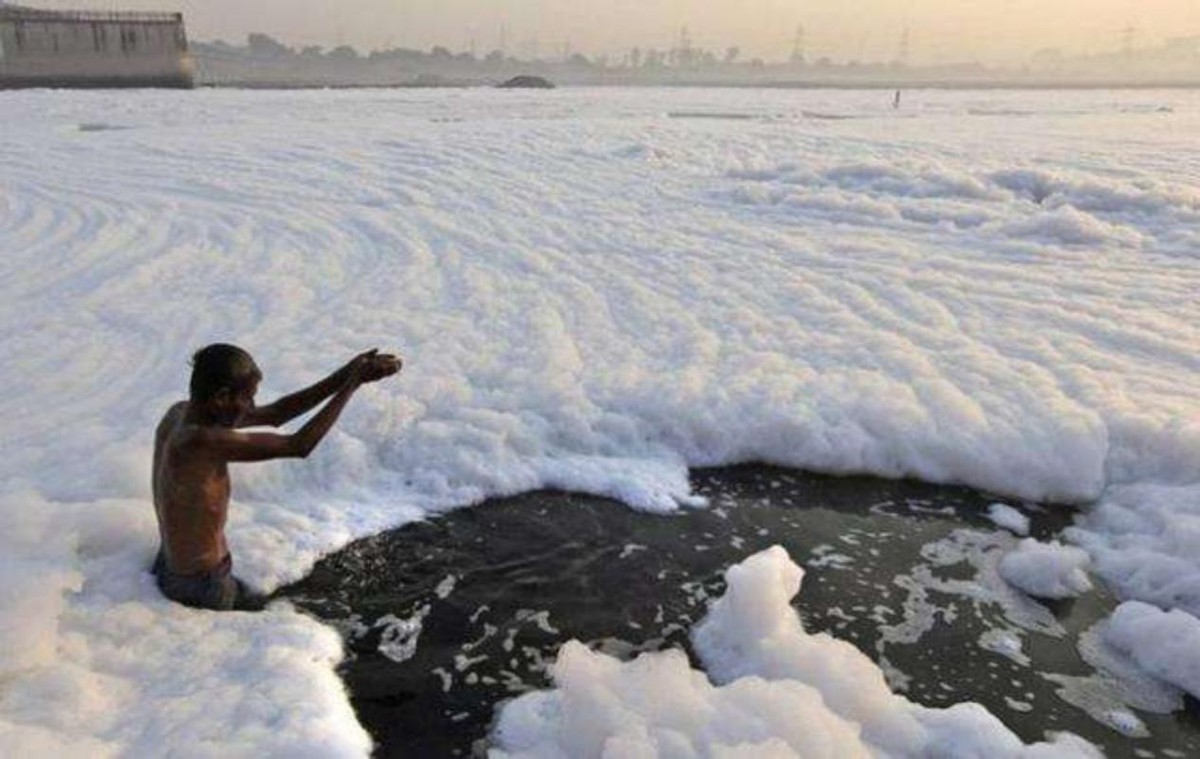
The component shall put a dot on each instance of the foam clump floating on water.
(768, 688)
(1009, 518)
(657, 705)
(1047, 570)
(1165, 644)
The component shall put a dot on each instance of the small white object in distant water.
(1165, 644)
(1009, 518)
(1047, 570)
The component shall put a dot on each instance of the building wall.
(93, 52)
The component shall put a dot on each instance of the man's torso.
(191, 498)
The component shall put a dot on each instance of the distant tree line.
(263, 59)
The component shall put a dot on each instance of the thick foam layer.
(97, 663)
(590, 295)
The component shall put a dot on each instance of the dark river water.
(444, 620)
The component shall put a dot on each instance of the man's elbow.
(301, 448)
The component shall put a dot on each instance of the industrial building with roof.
(44, 48)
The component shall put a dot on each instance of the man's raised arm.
(289, 407)
(232, 445)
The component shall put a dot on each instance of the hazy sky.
(993, 31)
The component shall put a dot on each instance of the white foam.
(1115, 685)
(1006, 643)
(1009, 518)
(770, 687)
(1047, 570)
(107, 666)
(1145, 540)
(1163, 643)
(591, 296)
(399, 637)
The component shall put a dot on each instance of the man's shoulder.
(175, 430)
(194, 438)
(171, 418)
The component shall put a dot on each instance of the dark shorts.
(215, 589)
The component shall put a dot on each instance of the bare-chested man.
(197, 438)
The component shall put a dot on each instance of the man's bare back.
(191, 497)
(196, 440)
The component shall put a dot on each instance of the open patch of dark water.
(446, 619)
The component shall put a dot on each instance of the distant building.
(41, 48)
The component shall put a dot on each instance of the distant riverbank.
(251, 83)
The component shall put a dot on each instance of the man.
(196, 440)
